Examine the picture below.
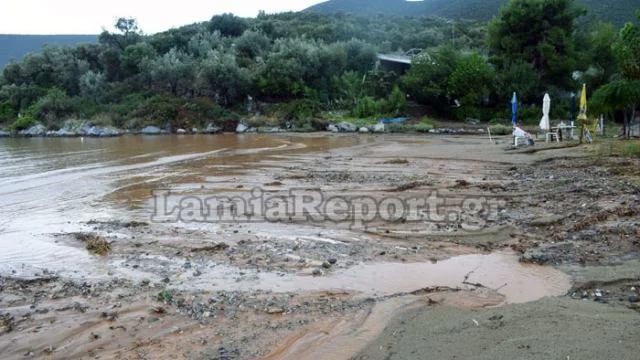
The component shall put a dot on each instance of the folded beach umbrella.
(514, 109)
(583, 103)
(546, 107)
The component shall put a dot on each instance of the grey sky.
(89, 17)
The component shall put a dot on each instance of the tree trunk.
(632, 120)
(624, 124)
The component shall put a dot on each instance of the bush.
(158, 110)
(430, 122)
(529, 115)
(302, 109)
(52, 108)
(23, 123)
(422, 128)
(7, 112)
(501, 129)
(369, 107)
(319, 124)
(631, 149)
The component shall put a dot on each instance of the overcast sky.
(89, 17)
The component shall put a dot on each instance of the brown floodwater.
(52, 185)
(498, 272)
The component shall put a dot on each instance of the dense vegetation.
(15, 47)
(294, 69)
(616, 11)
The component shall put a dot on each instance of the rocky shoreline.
(86, 129)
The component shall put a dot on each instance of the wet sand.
(557, 237)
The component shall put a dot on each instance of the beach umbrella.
(514, 109)
(583, 103)
(546, 107)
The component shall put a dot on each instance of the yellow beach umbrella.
(583, 103)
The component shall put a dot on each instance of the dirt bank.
(552, 328)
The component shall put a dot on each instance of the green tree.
(133, 57)
(361, 56)
(627, 49)
(93, 85)
(289, 67)
(203, 42)
(427, 80)
(173, 71)
(228, 25)
(129, 34)
(252, 44)
(219, 74)
(520, 77)
(539, 32)
(622, 94)
(473, 80)
(594, 39)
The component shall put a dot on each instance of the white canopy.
(546, 107)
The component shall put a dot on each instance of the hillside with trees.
(15, 47)
(302, 70)
(615, 11)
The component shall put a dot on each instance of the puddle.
(518, 283)
(344, 337)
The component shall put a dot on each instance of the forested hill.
(15, 47)
(615, 11)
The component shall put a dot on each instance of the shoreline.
(207, 290)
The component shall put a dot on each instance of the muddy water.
(52, 185)
(499, 272)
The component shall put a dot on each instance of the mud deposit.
(521, 245)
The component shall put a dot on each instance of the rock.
(472, 121)
(332, 128)
(111, 132)
(363, 130)
(181, 131)
(378, 128)
(211, 129)
(4, 133)
(275, 310)
(546, 220)
(37, 130)
(151, 130)
(65, 132)
(110, 315)
(536, 257)
(274, 130)
(346, 127)
(241, 128)
(326, 265)
(316, 272)
(333, 261)
(95, 131)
